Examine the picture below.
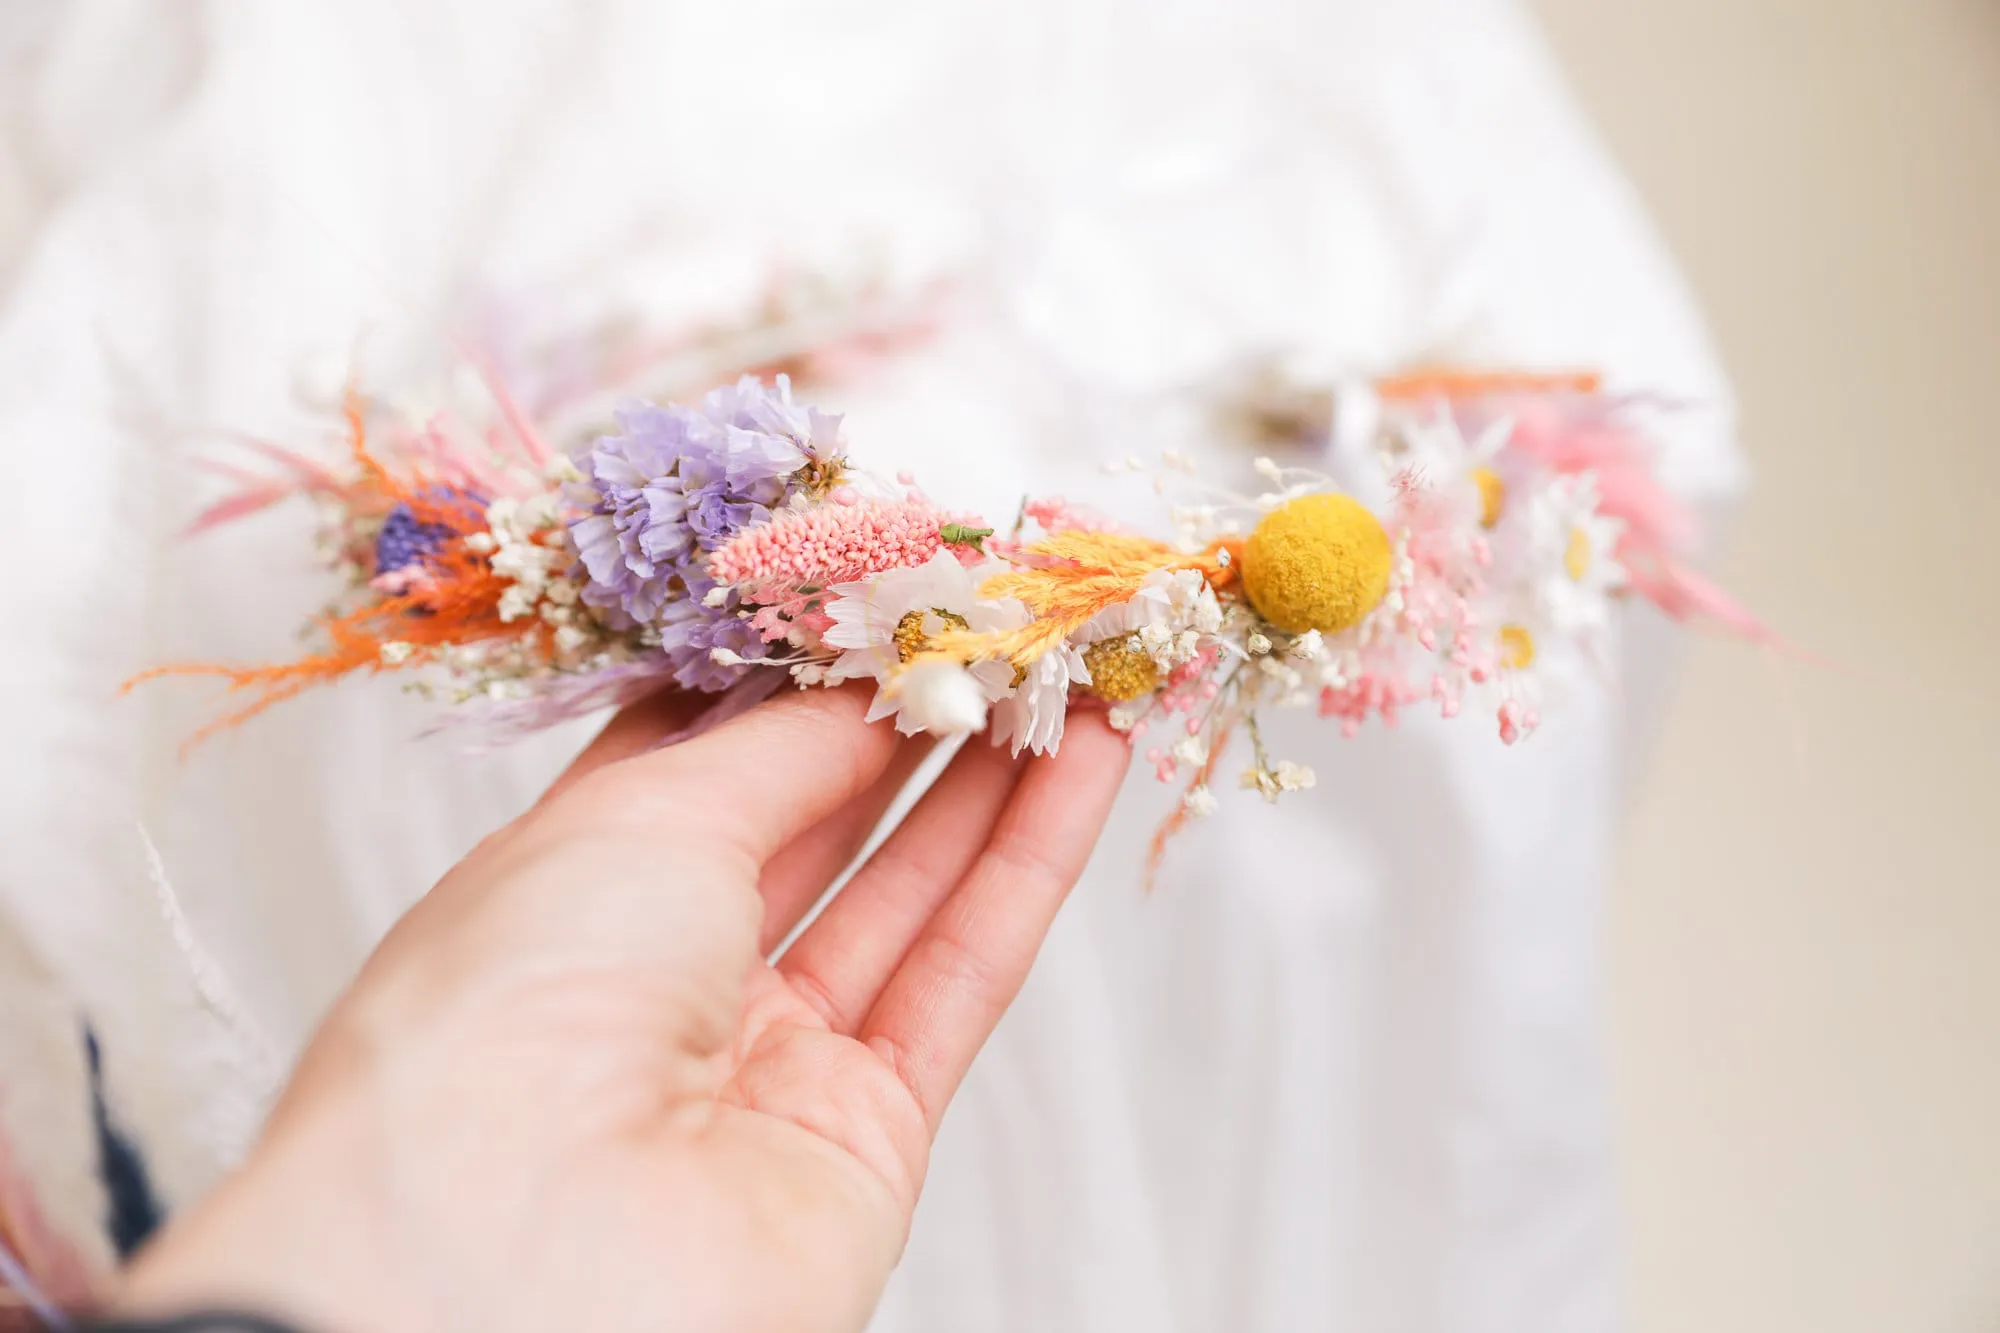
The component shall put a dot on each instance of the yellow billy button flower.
(1492, 495)
(1318, 562)
(1517, 647)
(1119, 672)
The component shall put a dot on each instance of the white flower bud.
(938, 697)
(1294, 777)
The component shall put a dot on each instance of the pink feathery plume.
(833, 543)
(1572, 436)
(297, 475)
(1686, 595)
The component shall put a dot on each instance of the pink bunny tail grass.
(834, 543)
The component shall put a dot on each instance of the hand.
(568, 1092)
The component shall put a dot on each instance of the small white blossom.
(523, 562)
(500, 514)
(1257, 645)
(1262, 781)
(938, 697)
(724, 657)
(1125, 716)
(396, 653)
(480, 542)
(1191, 750)
(1308, 646)
(1294, 777)
(1277, 669)
(1207, 616)
(569, 639)
(716, 597)
(1199, 801)
(539, 513)
(516, 602)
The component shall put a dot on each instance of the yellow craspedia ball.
(1318, 562)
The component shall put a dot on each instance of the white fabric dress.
(1341, 1070)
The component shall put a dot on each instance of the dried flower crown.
(731, 546)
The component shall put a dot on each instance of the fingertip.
(1092, 748)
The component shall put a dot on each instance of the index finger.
(754, 783)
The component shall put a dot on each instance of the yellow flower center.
(1492, 494)
(912, 640)
(1317, 562)
(1119, 672)
(1576, 556)
(1517, 647)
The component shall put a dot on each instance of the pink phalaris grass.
(1660, 529)
(831, 543)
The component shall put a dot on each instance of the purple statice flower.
(690, 634)
(676, 483)
(407, 540)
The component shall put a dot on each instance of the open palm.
(569, 1091)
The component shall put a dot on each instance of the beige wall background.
(1807, 947)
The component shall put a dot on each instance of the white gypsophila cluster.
(515, 549)
(1175, 614)
(1273, 781)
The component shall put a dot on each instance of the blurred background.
(1806, 1018)
(1807, 1013)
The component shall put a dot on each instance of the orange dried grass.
(459, 603)
(1066, 579)
(1445, 382)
